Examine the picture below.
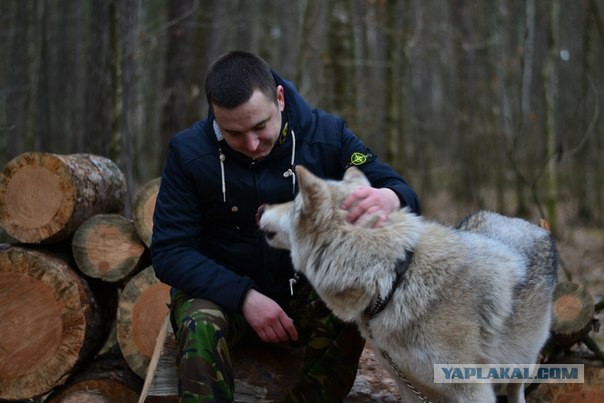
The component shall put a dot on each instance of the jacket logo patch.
(358, 158)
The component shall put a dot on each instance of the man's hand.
(267, 318)
(367, 203)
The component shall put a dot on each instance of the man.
(226, 280)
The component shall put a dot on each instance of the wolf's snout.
(268, 234)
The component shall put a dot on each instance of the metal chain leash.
(398, 373)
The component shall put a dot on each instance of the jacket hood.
(298, 111)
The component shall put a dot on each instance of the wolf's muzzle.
(268, 234)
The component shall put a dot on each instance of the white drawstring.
(222, 158)
(290, 171)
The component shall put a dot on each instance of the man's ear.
(280, 98)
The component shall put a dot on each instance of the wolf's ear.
(312, 188)
(355, 176)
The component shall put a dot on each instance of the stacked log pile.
(80, 306)
(81, 309)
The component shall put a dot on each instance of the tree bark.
(143, 208)
(107, 247)
(143, 305)
(46, 197)
(50, 322)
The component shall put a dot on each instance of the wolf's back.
(535, 244)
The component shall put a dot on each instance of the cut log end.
(45, 197)
(573, 312)
(38, 194)
(143, 305)
(48, 322)
(107, 247)
(30, 329)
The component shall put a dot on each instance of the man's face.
(253, 127)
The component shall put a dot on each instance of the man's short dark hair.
(234, 76)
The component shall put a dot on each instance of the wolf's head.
(316, 206)
(347, 264)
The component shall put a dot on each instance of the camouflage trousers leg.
(331, 357)
(205, 334)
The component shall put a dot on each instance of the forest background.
(478, 104)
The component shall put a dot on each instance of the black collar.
(378, 304)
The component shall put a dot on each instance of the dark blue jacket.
(212, 249)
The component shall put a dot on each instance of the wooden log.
(143, 207)
(157, 362)
(107, 247)
(142, 307)
(592, 390)
(50, 322)
(106, 379)
(572, 314)
(263, 372)
(45, 197)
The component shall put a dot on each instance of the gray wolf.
(423, 292)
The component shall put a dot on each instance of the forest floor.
(581, 251)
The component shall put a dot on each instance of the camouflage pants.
(206, 333)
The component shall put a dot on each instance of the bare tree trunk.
(502, 53)
(178, 64)
(291, 17)
(311, 76)
(98, 83)
(422, 159)
(42, 104)
(247, 25)
(340, 48)
(590, 189)
(464, 184)
(525, 102)
(14, 122)
(550, 84)
(396, 48)
(128, 21)
(115, 146)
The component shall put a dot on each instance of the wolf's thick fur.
(477, 294)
